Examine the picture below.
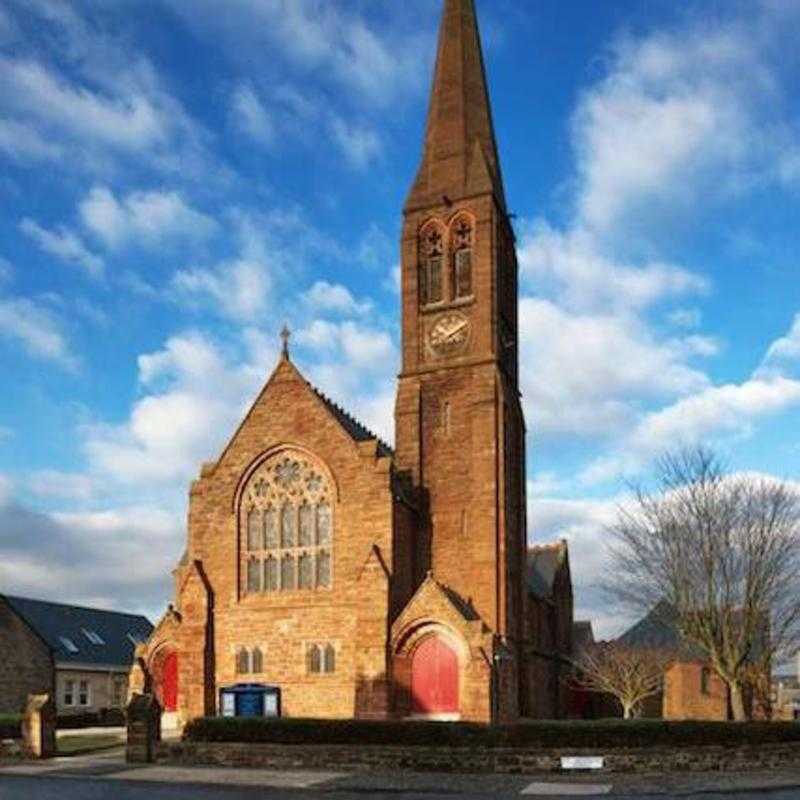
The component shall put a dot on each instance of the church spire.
(460, 155)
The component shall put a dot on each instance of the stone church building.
(377, 583)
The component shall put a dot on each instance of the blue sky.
(177, 182)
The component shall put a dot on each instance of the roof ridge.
(340, 410)
(75, 606)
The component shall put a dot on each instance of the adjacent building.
(81, 656)
(372, 582)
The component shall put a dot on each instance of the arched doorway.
(434, 678)
(165, 685)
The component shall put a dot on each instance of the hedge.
(10, 726)
(107, 718)
(601, 734)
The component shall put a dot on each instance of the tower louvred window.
(462, 243)
(431, 288)
(286, 513)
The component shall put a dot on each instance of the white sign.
(582, 762)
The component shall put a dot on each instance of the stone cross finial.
(286, 334)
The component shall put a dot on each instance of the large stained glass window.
(287, 527)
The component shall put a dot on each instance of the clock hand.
(460, 327)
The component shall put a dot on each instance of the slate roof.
(357, 431)
(51, 621)
(657, 631)
(544, 562)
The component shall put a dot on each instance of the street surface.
(102, 776)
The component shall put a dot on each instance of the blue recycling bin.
(250, 700)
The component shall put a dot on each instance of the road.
(108, 776)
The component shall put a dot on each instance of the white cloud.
(372, 59)
(250, 115)
(237, 289)
(359, 145)
(194, 399)
(730, 409)
(783, 351)
(586, 373)
(64, 244)
(24, 143)
(571, 265)
(686, 317)
(51, 484)
(679, 124)
(131, 122)
(143, 218)
(37, 330)
(324, 296)
(6, 487)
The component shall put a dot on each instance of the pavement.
(103, 775)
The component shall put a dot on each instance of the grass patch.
(10, 726)
(78, 745)
(602, 734)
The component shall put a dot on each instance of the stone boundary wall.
(11, 749)
(465, 760)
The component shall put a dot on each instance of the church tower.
(460, 431)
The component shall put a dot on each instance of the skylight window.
(93, 636)
(69, 645)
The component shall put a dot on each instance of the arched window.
(242, 662)
(257, 666)
(330, 659)
(286, 515)
(461, 245)
(431, 259)
(314, 659)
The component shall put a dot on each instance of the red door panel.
(434, 678)
(169, 683)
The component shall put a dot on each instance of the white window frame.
(88, 693)
(68, 691)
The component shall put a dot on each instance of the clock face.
(449, 333)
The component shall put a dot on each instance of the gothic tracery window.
(462, 244)
(431, 287)
(287, 527)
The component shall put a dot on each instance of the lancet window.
(462, 246)
(431, 282)
(287, 523)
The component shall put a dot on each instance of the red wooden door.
(169, 683)
(434, 678)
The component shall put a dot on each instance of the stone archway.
(164, 672)
(434, 678)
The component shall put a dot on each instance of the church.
(377, 583)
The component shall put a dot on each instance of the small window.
(68, 644)
(705, 681)
(463, 273)
(314, 659)
(271, 529)
(434, 280)
(69, 693)
(258, 661)
(93, 636)
(306, 526)
(330, 659)
(242, 662)
(83, 693)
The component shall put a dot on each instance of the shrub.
(601, 735)
(10, 726)
(106, 718)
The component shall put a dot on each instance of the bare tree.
(630, 674)
(722, 552)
